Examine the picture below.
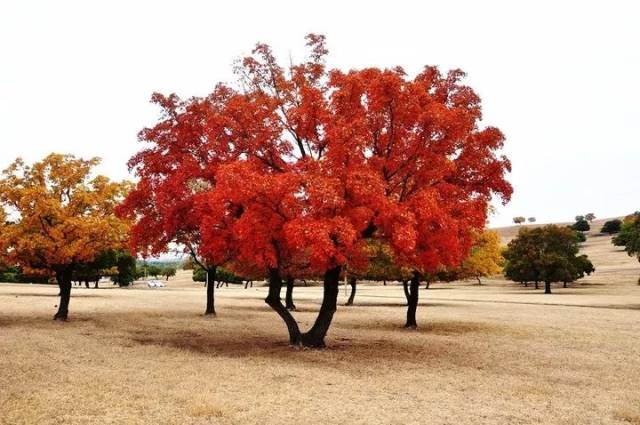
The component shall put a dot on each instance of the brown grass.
(493, 354)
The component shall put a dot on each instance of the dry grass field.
(495, 354)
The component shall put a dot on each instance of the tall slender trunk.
(315, 336)
(547, 287)
(384, 282)
(405, 287)
(428, 284)
(274, 301)
(96, 284)
(352, 281)
(412, 304)
(289, 295)
(63, 277)
(211, 279)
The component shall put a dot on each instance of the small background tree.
(629, 236)
(168, 272)
(485, 258)
(547, 254)
(126, 266)
(581, 224)
(519, 219)
(531, 219)
(612, 226)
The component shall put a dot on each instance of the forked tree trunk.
(315, 336)
(211, 279)
(547, 287)
(353, 282)
(64, 282)
(274, 301)
(412, 301)
(289, 295)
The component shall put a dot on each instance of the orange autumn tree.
(3, 240)
(60, 216)
(485, 258)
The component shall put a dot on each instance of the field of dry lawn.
(493, 354)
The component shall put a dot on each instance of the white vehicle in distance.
(155, 284)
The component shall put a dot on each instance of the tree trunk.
(564, 284)
(64, 282)
(274, 301)
(96, 284)
(526, 284)
(412, 301)
(211, 283)
(352, 281)
(289, 296)
(547, 287)
(427, 285)
(315, 336)
(536, 283)
(86, 284)
(479, 281)
(384, 282)
(246, 284)
(405, 287)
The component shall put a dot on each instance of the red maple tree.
(183, 153)
(305, 165)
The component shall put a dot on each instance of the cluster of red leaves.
(302, 165)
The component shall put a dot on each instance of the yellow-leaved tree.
(3, 240)
(59, 215)
(485, 258)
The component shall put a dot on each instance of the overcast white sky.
(561, 79)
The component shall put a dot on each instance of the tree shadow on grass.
(401, 305)
(369, 341)
(42, 321)
(440, 328)
(51, 295)
(340, 354)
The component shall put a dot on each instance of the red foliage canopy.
(303, 164)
